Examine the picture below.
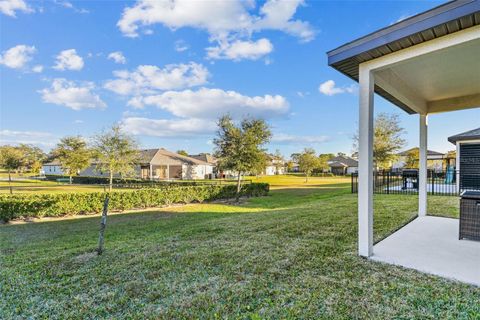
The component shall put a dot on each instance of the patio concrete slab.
(431, 245)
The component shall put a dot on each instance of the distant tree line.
(111, 151)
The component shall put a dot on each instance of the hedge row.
(92, 180)
(134, 181)
(58, 204)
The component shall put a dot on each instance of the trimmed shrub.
(58, 204)
(134, 182)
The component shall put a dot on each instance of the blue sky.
(167, 72)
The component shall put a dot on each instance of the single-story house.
(295, 167)
(342, 165)
(435, 160)
(205, 157)
(153, 164)
(52, 167)
(274, 166)
(164, 164)
(468, 159)
(208, 158)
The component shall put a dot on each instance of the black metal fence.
(406, 182)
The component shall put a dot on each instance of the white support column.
(365, 167)
(423, 169)
(151, 172)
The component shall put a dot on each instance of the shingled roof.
(181, 158)
(206, 157)
(467, 135)
(346, 161)
(429, 152)
(147, 155)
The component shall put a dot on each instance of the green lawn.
(288, 255)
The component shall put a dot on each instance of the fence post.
(103, 224)
(388, 182)
(433, 182)
(351, 186)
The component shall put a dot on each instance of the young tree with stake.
(239, 147)
(11, 158)
(307, 161)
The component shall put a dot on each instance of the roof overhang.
(470, 136)
(425, 64)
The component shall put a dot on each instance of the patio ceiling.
(447, 79)
(424, 64)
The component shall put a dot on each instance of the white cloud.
(281, 138)
(69, 60)
(69, 5)
(38, 68)
(167, 127)
(208, 103)
(278, 15)
(28, 137)
(329, 88)
(117, 57)
(217, 17)
(302, 94)
(71, 95)
(238, 49)
(181, 46)
(214, 16)
(9, 7)
(225, 21)
(17, 57)
(147, 78)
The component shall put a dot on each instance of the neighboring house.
(295, 167)
(164, 164)
(274, 166)
(208, 158)
(52, 167)
(341, 165)
(205, 157)
(435, 160)
(153, 164)
(468, 159)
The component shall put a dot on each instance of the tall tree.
(32, 157)
(412, 159)
(323, 161)
(260, 165)
(278, 161)
(73, 155)
(289, 165)
(239, 148)
(182, 152)
(307, 161)
(11, 159)
(388, 139)
(295, 156)
(116, 152)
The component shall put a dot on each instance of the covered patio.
(431, 245)
(426, 64)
